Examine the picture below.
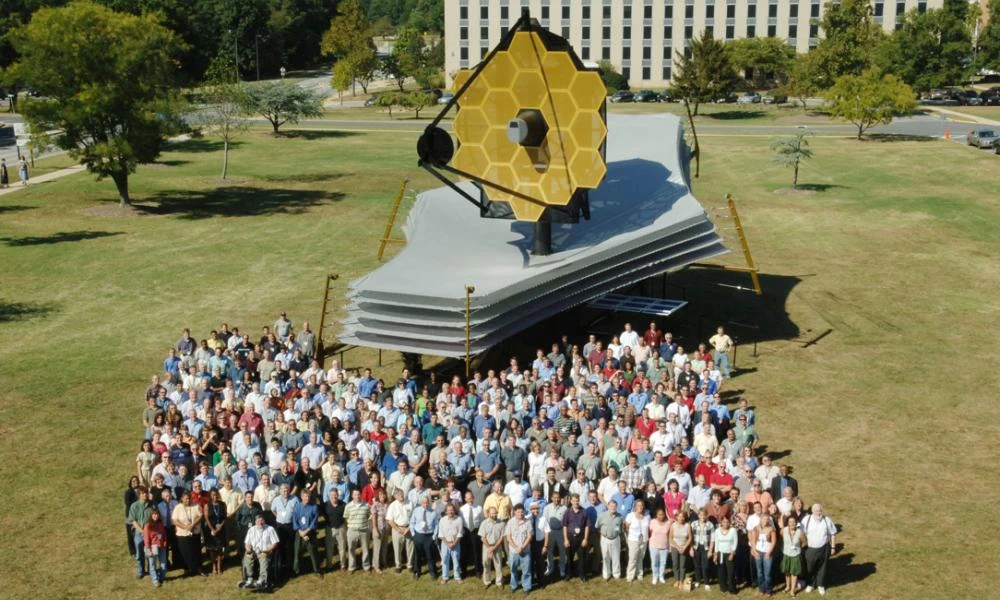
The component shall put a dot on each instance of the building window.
(921, 7)
(666, 52)
(605, 33)
(814, 11)
(606, 53)
(626, 73)
(668, 32)
(647, 12)
(463, 53)
(666, 73)
(793, 11)
(565, 32)
(751, 31)
(484, 33)
(647, 53)
(879, 9)
(627, 12)
(484, 12)
(503, 31)
(585, 33)
(688, 32)
(814, 30)
(545, 12)
(900, 10)
(606, 13)
(730, 32)
(647, 32)
(565, 13)
(586, 12)
(689, 12)
(710, 11)
(669, 14)
(772, 31)
(463, 12)
(463, 33)
(709, 31)
(626, 33)
(731, 11)
(772, 11)
(504, 12)
(752, 11)
(484, 51)
(586, 53)
(626, 53)
(793, 31)
(646, 74)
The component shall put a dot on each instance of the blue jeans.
(763, 573)
(158, 565)
(452, 555)
(520, 563)
(658, 559)
(722, 363)
(140, 553)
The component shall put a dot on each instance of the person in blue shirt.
(624, 499)
(366, 385)
(304, 520)
(172, 363)
(461, 461)
(431, 430)
(638, 399)
(354, 467)
(483, 421)
(423, 525)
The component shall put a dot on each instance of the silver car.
(982, 138)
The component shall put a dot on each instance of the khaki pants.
(495, 563)
(611, 557)
(380, 549)
(402, 545)
(636, 554)
(263, 559)
(362, 538)
(336, 536)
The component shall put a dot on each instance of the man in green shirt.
(138, 516)
(609, 525)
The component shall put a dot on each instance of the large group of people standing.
(601, 460)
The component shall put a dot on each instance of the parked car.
(749, 98)
(623, 96)
(445, 98)
(965, 97)
(991, 96)
(774, 97)
(665, 97)
(371, 100)
(645, 96)
(728, 99)
(982, 138)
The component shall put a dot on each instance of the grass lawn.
(987, 112)
(893, 247)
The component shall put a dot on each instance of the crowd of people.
(596, 461)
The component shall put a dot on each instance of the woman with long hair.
(742, 556)
(673, 499)
(762, 540)
(536, 462)
(380, 530)
(215, 530)
(187, 519)
(679, 538)
(792, 543)
(144, 462)
(154, 536)
(659, 549)
(131, 495)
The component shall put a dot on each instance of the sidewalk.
(15, 182)
(963, 116)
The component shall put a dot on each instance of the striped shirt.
(357, 516)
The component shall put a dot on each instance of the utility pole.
(256, 47)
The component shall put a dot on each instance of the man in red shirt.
(255, 424)
(653, 336)
(678, 455)
(644, 424)
(705, 468)
(721, 480)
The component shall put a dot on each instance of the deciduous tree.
(283, 102)
(870, 99)
(768, 59)
(790, 151)
(707, 74)
(224, 115)
(850, 40)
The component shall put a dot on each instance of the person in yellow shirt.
(498, 501)
(723, 345)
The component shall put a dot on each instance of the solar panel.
(638, 304)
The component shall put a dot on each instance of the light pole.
(256, 48)
(236, 51)
(469, 290)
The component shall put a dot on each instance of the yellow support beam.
(751, 267)
(392, 220)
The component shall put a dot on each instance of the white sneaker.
(822, 590)
(694, 585)
(708, 588)
(808, 589)
(655, 581)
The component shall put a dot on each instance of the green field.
(893, 246)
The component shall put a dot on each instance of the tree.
(767, 59)
(107, 78)
(707, 74)
(362, 64)
(869, 99)
(410, 54)
(226, 104)
(342, 78)
(349, 31)
(850, 40)
(931, 50)
(802, 77)
(427, 15)
(790, 151)
(283, 102)
(389, 66)
(613, 80)
(988, 56)
(389, 100)
(418, 101)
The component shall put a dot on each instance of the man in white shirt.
(766, 472)
(682, 477)
(517, 489)
(608, 486)
(629, 337)
(260, 542)
(821, 544)
(472, 549)
(398, 517)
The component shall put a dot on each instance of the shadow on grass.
(58, 238)
(843, 570)
(235, 202)
(171, 163)
(774, 454)
(315, 134)
(303, 177)
(818, 187)
(196, 145)
(898, 137)
(22, 311)
(14, 208)
(736, 115)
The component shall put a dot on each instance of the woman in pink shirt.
(673, 499)
(659, 527)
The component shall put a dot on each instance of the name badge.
(576, 531)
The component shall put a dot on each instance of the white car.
(982, 138)
(748, 98)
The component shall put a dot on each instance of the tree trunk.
(121, 182)
(364, 87)
(275, 124)
(341, 94)
(694, 134)
(795, 175)
(225, 157)
(861, 130)
(695, 109)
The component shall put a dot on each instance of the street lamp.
(469, 290)
(256, 49)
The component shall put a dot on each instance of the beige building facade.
(641, 37)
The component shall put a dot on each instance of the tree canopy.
(707, 74)
(768, 59)
(850, 40)
(932, 49)
(988, 56)
(283, 102)
(869, 99)
(107, 79)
